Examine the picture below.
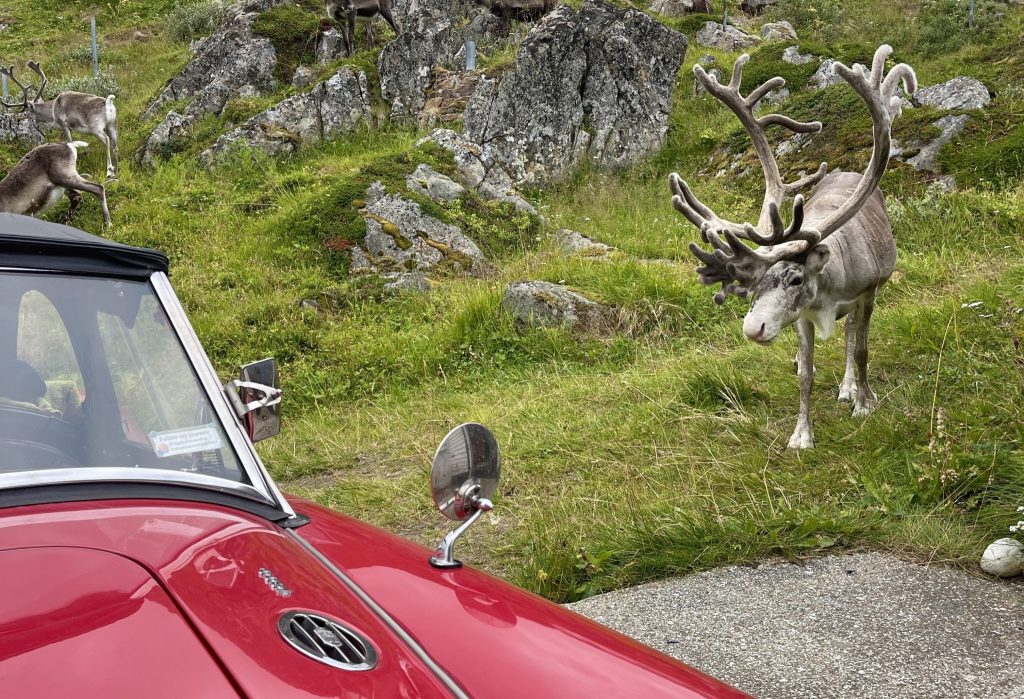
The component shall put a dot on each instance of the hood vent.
(327, 641)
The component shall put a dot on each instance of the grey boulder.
(427, 182)
(778, 31)
(553, 305)
(19, 128)
(956, 94)
(727, 38)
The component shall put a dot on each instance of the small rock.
(410, 281)
(311, 304)
(576, 243)
(427, 182)
(698, 86)
(778, 31)
(1003, 558)
(727, 38)
(672, 8)
(825, 75)
(773, 97)
(707, 60)
(793, 56)
(553, 305)
(956, 94)
(330, 47)
(141, 36)
(303, 77)
(161, 141)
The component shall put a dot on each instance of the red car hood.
(158, 598)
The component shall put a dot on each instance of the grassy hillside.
(659, 449)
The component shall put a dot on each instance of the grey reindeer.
(43, 176)
(834, 255)
(71, 111)
(348, 12)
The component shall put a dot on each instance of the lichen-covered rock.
(956, 94)
(477, 169)
(793, 56)
(598, 86)
(553, 305)
(234, 61)
(332, 107)
(19, 128)
(447, 96)
(398, 231)
(825, 75)
(427, 182)
(727, 38)
(672, 8)
(303, 77)
(778, 31)
(161, 142)
(330, 46)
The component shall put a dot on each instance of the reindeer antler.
(9, 72)
(731, 260)
(34, 66)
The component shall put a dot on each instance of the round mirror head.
(465, 469)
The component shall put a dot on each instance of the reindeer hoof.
(803, 438)
(863, 407)
(847, 391)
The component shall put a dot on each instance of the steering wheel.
(20, 455)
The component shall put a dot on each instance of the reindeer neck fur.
(862, 253)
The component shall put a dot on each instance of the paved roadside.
(858, 626)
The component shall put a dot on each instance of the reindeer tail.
(75, 145)
(111, 109)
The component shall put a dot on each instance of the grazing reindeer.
(837, 251)
(348, 12)
(72, 111)
(46, 173)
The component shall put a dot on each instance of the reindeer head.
(26, 103)
(783, 274)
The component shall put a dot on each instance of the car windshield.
(92, 374)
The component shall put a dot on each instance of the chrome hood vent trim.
(327, 641)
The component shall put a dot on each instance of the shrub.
(193, 21)
(103, 84)
(943, 25)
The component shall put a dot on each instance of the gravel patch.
(859, 626)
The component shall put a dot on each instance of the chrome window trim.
(119, 474)
(247, 456)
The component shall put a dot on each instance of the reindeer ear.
(816, 259)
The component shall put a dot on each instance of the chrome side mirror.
(463, 479)
(256, 399)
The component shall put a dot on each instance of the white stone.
(1003, 558)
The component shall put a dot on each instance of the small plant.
(193, 21)
(943, 25)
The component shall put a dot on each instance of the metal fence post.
(470, 54)
(3, 85)
(970, 15)
(95, 49)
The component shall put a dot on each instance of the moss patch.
(293, 32)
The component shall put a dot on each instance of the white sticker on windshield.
(186, 441)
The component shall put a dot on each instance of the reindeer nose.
(754, 336)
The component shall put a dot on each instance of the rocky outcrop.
(793, 56)
(161, 142)
(727, 38)
(447, 96)
(553, 305)
(232, 62)
(19, 128)
(401, 237)
(825, 75)
(954, 95)
(598, 85)
(332, 107)
(477, 169)
(778, 31)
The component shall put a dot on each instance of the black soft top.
(30, 243)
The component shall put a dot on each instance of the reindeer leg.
(112, 135)
(369, 36)
(106, 142)
(803, 435)
(848, 388)
(866, 399)
(74, 201)
(74, 181)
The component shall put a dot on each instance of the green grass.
(655, 450)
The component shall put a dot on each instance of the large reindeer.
(348, 12)
(43, 176)
(834, 255)
(71, 111)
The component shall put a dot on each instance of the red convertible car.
(146, 552)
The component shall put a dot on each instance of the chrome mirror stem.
(445, 555)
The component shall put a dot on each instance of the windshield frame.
(262, 491)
